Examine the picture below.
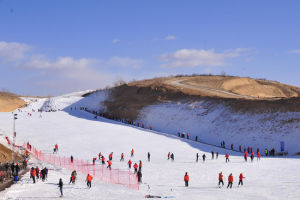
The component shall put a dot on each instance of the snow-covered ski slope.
(77, 133)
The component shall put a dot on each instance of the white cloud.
(295, 51)
(170, 37)
(12, 51)
(198, 58)
(115, 41)
(125, 62)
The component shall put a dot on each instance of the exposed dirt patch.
(5, 154)
(10, 102)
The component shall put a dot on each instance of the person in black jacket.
(60, 185)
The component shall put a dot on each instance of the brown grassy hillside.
(239, 94)
(10, 102)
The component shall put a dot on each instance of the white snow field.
(77, 133)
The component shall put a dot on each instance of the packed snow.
(79, 134)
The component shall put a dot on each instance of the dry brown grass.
(10, 102)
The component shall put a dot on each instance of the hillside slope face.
(243, 120)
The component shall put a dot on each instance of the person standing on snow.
(111, 156)
(258, 155)
(221, 179)
(186, 179)
(140, 165)
(169, 155)
(103, 160)
(109, 164)
(139, 175)
(33, 174)
(99, 155)
(227, 157)
(132, 152)
(241, 177)
(135, 166)
(203, 157)
(197, 157)
(129, 164)
(122, 157)
(230, 181)
(89, 179)
(252, 156)
(148, 156)
(172, 157)
(37, 172)
(212, 155)
(72, 159)
(245, 156)
(60, 185)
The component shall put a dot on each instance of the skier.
(245, 156)
(132, 152)
(227, 157)
(169, 155)
(186, 179)
(135, 166)
(149, 156)
(197, 157)
(230, 181)
(89, 179)
(212, 155)
(109, 164)
(203, 157)
(103, 160)
(139, 175)
(241, 177)
(129, 164)
(71, 159)
(122, 157)
(220, 179)
(60, 185)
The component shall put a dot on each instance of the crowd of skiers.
(36, 173)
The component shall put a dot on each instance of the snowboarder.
(227, 157)
(221, 179)
(89, 179)
(60, 185)
(149, 156)
(230, 181)
(241, 177)
(186, 179)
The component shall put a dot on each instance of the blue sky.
(58, 46)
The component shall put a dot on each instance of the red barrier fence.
(101, 173)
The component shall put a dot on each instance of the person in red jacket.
(169, 155)
(109, 164)
(33, 174)
(241, 177)
(140, 165)
(103, 160)
(245, 156)
(94, 160)
(89, 179)
(132, 152)
(221, 179)
(129, 164)
(122, 157)
(227, 157)
(230, 181)
(111, 156)
(135, 166)
(258, 155)
(186, 179)
(99, 155)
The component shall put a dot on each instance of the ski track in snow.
(77, 133)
